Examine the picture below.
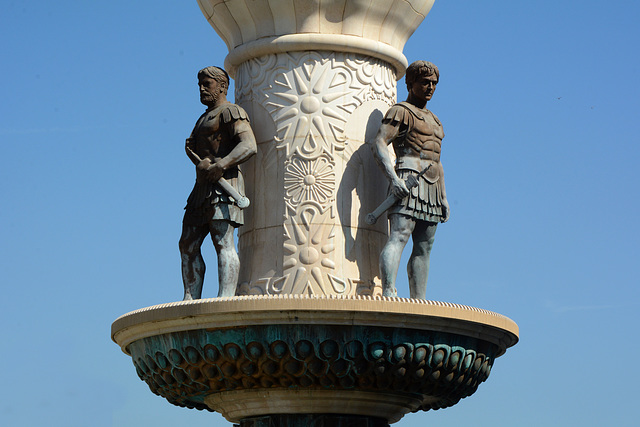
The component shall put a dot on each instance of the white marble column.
(316, 77)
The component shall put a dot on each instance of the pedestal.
(253, 357)
(314, 420)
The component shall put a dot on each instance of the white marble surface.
(379, 28)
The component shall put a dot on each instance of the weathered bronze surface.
(220, 141)
(416, 135)
(314, 420)
(255, 356)
(437, 368)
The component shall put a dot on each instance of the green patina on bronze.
(185, 367)
(314, 420)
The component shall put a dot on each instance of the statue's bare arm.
(202, 165)
(386, 134)
(189, 147)
(245, 147)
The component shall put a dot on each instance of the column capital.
(253, 28)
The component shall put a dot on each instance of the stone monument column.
(316, 77)
(308, 340)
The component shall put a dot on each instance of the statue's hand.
(204, 164)
(446, 212)
(215, 172)
(399, 189)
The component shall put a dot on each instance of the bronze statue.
(416, 183)
(220, 141)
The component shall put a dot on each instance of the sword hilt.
(242, 201)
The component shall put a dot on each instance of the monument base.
(290, 356)
(314, 420)
(239, 405)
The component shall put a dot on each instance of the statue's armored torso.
(419, 140)
(418, 146)
(212, 135)
(213, 138)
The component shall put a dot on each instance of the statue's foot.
(389, 292)
(227, 293)
(192, 293)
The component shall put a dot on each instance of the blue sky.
(539, 101)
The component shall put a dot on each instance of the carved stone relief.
(309, 97)
(309, 181)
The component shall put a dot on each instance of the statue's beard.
(207, 99)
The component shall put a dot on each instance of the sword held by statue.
(410, 182)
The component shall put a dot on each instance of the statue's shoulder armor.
(412, 109)
(436, 118)
(233, 112)
(417, 113)
(399, 114)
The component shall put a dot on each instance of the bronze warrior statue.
(416, 135)
(220, 141)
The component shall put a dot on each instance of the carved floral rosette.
(314, 178)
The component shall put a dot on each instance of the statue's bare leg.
(228, 262)
(192, 262)
(423, 237)
(400, 228)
